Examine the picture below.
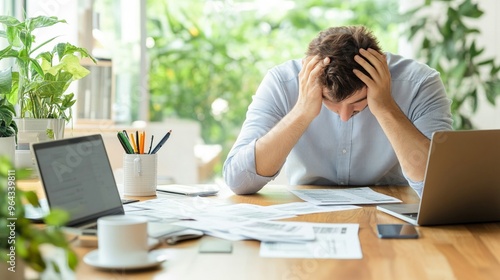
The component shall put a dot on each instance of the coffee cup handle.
(137, 165)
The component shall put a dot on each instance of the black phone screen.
(397, 231)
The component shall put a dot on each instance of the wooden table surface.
(470, 251)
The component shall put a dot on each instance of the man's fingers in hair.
(363, 62)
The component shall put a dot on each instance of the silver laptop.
(77, 177)
(462, 181)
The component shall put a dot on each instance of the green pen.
(125, 143)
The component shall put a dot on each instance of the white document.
(333, 241)
(362, 195)
(244, 210)
(173, 207)
(302, 208)
(252, 229)
(276, 231)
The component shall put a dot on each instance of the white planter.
(38, 130)
(32, 131)
(8, 147)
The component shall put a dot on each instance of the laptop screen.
(77, 177)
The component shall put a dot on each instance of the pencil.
(134, 146)
(125, 143)
(143, 135)
(138, 142)
(151, 144)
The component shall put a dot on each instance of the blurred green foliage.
(208, 57)
(449, 44)
(20, 235)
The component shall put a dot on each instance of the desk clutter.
(172, 218)
(279, 239)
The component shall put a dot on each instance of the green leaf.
(459, 71)
(468, 9)
(9, 21)
(46, 59)
(4, 52)
(56, 217)
(12, 34)
(32, 198)
(492, 90)
(22, 247)
(36, 66)
(486, 62)
(71, 64)
(42, 21)
(23, 173)
(6, 81)
(72, 259)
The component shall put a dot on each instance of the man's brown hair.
(341, 44)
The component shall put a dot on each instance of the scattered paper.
(362, 195)
(302, 208)
(253, 229)
(244, 210)
(333, 241)
(237, 221)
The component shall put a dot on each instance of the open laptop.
(462, 181)
(77, 177)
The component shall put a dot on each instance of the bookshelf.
(95, 93)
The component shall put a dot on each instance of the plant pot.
(38, 130)
(8, 147)
(32, 131)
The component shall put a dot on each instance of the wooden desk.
(443, 252)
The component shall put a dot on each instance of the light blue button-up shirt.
(332, 152)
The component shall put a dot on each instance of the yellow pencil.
(134, 146)
(143, 136)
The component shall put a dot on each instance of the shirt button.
(344, 151)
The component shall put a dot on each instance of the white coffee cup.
(139, 174)
(122, 240)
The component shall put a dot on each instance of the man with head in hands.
(346, 114)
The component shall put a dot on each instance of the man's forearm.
(410, 145)
(272, 149)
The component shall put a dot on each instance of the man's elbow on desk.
(242, 183)
(243, 188)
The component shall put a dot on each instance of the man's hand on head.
(310, 91)
(379, 85)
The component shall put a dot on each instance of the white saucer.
(155, 258)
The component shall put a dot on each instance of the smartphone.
(397, 231)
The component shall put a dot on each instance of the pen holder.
(139, 174)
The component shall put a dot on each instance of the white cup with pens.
(139, 174)
(139, 167)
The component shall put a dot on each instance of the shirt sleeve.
(268, 107)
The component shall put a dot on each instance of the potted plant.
(8, 129)
(21, 242)
(42, 78)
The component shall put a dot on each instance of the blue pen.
(162, 141)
